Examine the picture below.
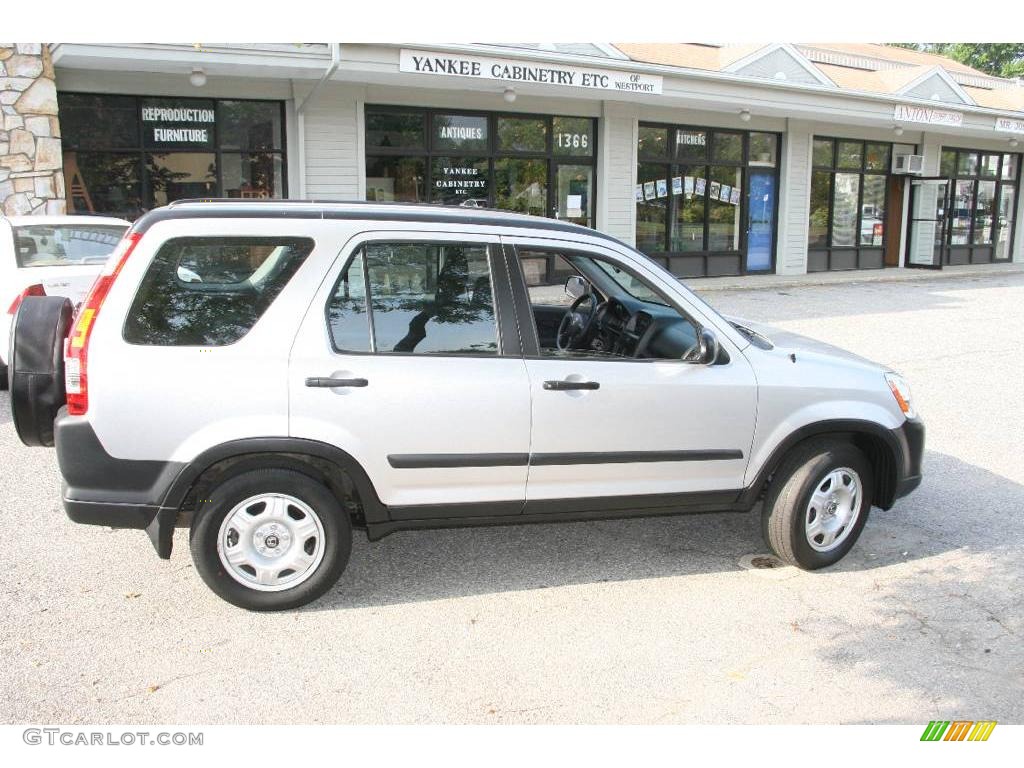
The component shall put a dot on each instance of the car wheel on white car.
(818, 503)
(270, 539)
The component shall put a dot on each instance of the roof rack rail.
(292, 201)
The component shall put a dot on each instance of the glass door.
(760, 220)
(928, 222)
(574, 193)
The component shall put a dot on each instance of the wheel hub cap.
(833, 509)
(271, 542)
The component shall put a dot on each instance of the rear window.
(210, 291)
(64, 245)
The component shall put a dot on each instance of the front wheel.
(818, 503)
(270, 540)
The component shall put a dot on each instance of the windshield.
(61, 245)
(628, 283)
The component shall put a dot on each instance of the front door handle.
(563, 386)
(327, 382)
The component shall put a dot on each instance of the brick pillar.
(31, 172)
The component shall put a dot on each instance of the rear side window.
(210, 291)
(424, 298)
(64, 245)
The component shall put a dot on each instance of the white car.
(275, 375)
(51, 256)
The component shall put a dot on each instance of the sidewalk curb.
(761, 283)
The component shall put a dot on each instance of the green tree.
(999, 59)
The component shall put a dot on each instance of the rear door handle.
(316, 381)
(563, 386)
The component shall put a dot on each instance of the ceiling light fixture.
(198, 77)
(898, 130)
(1014, 142)
(509, 95)
(745, 115)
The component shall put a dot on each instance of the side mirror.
(576, 286)
(707, 350)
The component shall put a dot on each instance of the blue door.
(760, 220)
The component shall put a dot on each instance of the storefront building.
(712, 160)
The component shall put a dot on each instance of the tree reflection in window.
(424, 299)
(210, 291)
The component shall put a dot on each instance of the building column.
(616, 170)
(795, 199)
(1018, 223)
(31, 165)
(931, 149)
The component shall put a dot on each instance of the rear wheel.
(818, 503)
(271, 539)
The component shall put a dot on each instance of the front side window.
(62, 245)
(423, 298)
(630, 319)
(210, 291)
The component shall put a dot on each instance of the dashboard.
(643, 330)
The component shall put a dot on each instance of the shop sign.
(178, 123)
(909, 113)
(1009, 125)
(514, 71)
(461, 181)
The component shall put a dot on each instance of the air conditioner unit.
(908, 164)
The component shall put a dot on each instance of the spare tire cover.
(35, 367)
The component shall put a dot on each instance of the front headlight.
(901, 391)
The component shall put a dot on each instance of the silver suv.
(274, 375)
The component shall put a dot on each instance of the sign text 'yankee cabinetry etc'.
(514, 71)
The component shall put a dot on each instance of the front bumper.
(910, 437)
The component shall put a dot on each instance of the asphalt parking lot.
(644, 621)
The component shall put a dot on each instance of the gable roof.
(863, 67)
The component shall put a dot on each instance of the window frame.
(863, 172)
(492, 152)
(976, 179)
(507, 334)
(141, 151)
(670, 164)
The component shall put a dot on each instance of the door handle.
(317, 381)
(563, 386)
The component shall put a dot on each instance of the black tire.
(786, 502)
(337, 529)
(36, 366)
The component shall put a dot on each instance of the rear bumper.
(100, 489)
(910, 437)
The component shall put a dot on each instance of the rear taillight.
(76, 350)
(32, 290)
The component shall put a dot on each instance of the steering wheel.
(575, 324)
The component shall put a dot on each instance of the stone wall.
(31, 173)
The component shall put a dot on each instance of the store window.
(540, 165)
(983, 192)
(849, 199)
(124, 155)
(706, 199)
